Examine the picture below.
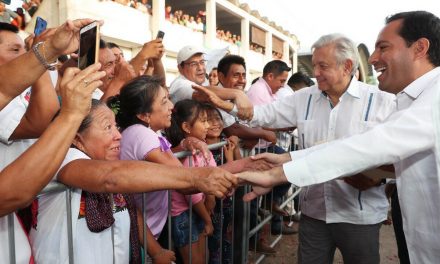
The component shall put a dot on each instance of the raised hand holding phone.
(88, 45)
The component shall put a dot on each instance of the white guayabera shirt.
(407, 140)
(360, 108)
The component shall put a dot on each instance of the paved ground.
(286, 249)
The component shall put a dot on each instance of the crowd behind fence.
(240, 217)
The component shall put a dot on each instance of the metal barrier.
(240, 217)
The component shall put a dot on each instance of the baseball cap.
(188, 51)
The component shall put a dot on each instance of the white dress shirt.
(407, 140)
(361, 107)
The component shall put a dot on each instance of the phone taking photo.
(88, 45)
(40, 26)
(160, 34)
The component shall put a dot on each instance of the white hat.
(187, 52)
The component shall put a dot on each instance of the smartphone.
(40, 26)
(88, 45)
(160, 34)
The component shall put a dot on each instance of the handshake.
(262, 171)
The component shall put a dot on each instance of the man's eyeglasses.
(194, 64)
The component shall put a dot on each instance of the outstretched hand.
(272, 158)
(204, 94)
(215, 181)
(262, 182)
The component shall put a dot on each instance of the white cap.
(187, 52)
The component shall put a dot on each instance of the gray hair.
(345, 49)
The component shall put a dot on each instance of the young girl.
(223, 155)
(189, 119)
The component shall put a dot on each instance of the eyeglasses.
(194, 64)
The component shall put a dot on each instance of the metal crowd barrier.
(240, 217)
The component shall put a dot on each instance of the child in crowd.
(222, 217)
(189, 119)
(143, 109)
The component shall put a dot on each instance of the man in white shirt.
(407, 58)
(337, 214)
(192, 69)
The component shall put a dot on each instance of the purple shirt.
(136, 142)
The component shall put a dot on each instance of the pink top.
(180, 202)
(260, 93)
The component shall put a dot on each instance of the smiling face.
(194, 69)
(236, 77)
(108, 63)
(101, 140)
(330, 75)
(199, 128)
(215, 122)
(392, 59)
(160, 116)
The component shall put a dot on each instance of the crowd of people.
(109, 132)
(22, 15)
(141, 5)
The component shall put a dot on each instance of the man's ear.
(348, 66)
(421, 47)
(221, 77)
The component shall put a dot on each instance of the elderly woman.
(104, 221)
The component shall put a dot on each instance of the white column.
(158, 18)
(286, 52)
(268, 55)
(211, 23)
(245, 35)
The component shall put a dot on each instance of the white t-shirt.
(22, 246)
(181, 88)
(49, 237)
(10, 117)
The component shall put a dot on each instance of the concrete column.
(158, 18)
(286, 52)
(268, 54)
(245, 35)
(211, 23)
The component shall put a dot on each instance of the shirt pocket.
(309, 134)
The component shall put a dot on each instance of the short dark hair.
(112, 45)
(225, 63)
(299, 77)
(187, 110)
(103, 44)
(8, 27)
(276, 67)
(420, 24)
